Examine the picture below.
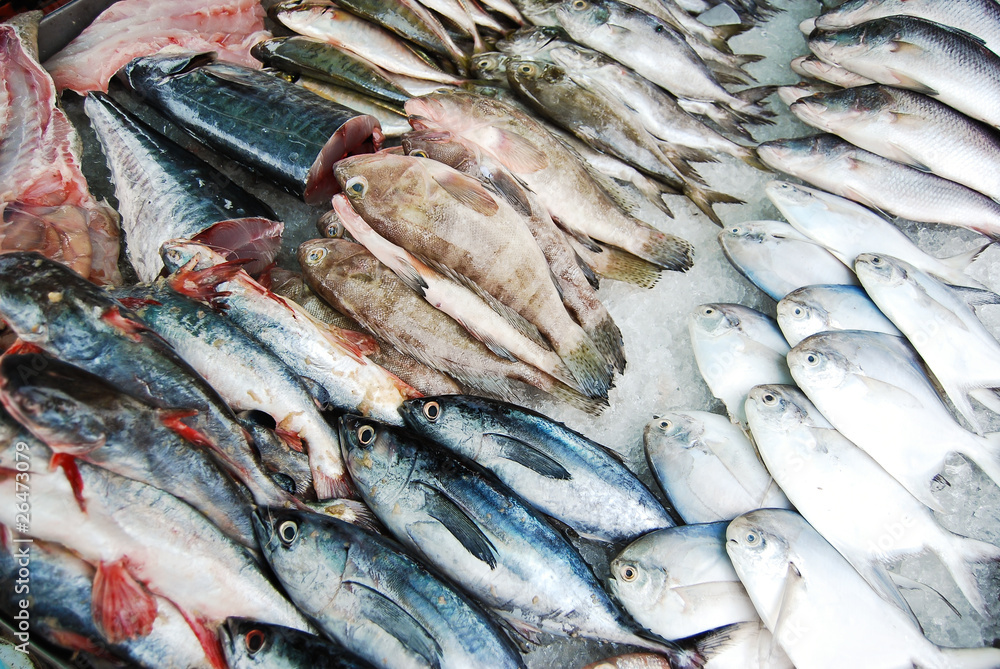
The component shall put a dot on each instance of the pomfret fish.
(819, 308)
(250, 644)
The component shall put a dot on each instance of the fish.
(287, 467)
(135, 28)
(559, 471)
(810, 66)
(707, 467)
(943, 328)
(164, 193)
(838, 167)
(368, 594)
(466, 17)
(69, 318)
(612, 263)
(304, 133)
(779, 259)
(392, 120)
(791, 94)
(920, 56)
(322, 20)
(819, 607)
(349, 277)
(249, 643)
(737, 348)
(857, 506)
(847, 229)
(854, 376)
(821, 308)
(45, 201)
(82, 418)
(678, 582)
(909, 128)
(490, 542)
(565, 188)
(446, 217)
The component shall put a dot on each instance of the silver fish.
(810, 66)
(820, 308)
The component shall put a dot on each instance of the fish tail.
(587, 364)
(747, 58)
(753, 96)
(725, 74)
(986, 455)
(704, 199)
(608, 340)
(668, 251)
(329, 474)
(595, 406)
(722, 35)
(619, 265)
(958, 555)
(749, 156)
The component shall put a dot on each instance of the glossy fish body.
(249, 644)
(559, 471)
(391, 119)
(707, 467)
(820, 308)
(231, 108)
(369, 595)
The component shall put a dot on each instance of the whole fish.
(853, 377)
(737, 348)
(679, 582)
(838, 167)
(810, 66)
(365, 592)
(164, 193)
(820, 608)
(846, 496)
(963, 355)
(821, 308)
(356, 283)
(286, 133)
(779, 259)
(391, 119)
(249, 643)
(69, 318)
(548, 168)
(909, 128)
(471, 526)
(920, 56)
(976, 17)
(558, 471)
(707, 467)
(438, 213)
(80, 417)
(847, 229)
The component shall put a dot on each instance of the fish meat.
(164, 193)
(365, 592)
(821, 308)
(707, 467)
(678, 582)
(45, 201)
(132, 28)
(560, 472)
(779, 259)
(838, 167)
(250, 643)
(276, 128)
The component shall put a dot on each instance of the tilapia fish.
(134, 28)
(164, 193)
(45, 201)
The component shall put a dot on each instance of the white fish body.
(820, 308)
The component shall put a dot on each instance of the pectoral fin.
(528, 456)
(460, 525)
(395, 620)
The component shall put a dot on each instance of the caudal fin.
(587, 364)
(618, 265)
(957, 556)
(704, 198)
(608, 340)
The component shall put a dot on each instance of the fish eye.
(876, 261)
(419, 153)
(798, 312)
(357, 187)
(335, 230)
(254, 641)
(432, 410)
(580, 5)
(366, 434)
(752, 538)
(526, 68)
(812, 359)
(628, 573)
(287, 532)
(483, 64)
(735, 230)
(315, 256)
(708, 311)
(769, 399)
(285, 482)
(665, 424)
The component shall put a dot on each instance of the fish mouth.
(262, 528)
(813, 113)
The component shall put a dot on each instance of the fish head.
(580, 17)
(795, 203)
(639, 582)
(448, 418)
(378, 457)
(245, 642)
(797, 313)
(288, 468)
(672, 431)
(330, 226)
(854, 12)
(147, 71)
(779, 407)
(490, 66)
(879, 271)
(841, 108)
(841, 46)
(291, 13)
(525, 74)
(325, 257)
(379, 184)
(454, 110)
(815, 366)
(178, 253)
(802, 155)
(759, 546)
(443, 147)
(36, 293)
(264, 49)
(713, 320)
(529, 40)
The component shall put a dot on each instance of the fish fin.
(724, 75)
(202, 284)
(397, 621)
(207, 639)
(588, 272)
(330, 479)
(904, 119)
(293, 440)
(316, 391)
(136, 303)
(353, 343)
(607, 337)
(907, 583)
(460, 525)
(617, 30)
(595, 406)
(975, 297)
(986, 454)
(520, 632)
(962, 261)
(510, 189)
(21, 347)
(957, 555)
(987, 397)
(467, 190)
(789, 591)
(704, 199)
(909, 83)
(724, 33)
(528, 456)
(68, 464)
(127, 326)
(350, 511)
(959, 396)
(621, 265)
(123, 608)
(593, 373)
(516, 153)
(173, 420)
(880, 580)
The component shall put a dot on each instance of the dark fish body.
(250, 644)
(278, 129)
(558, 471)
(365, 592)
(164, 192)
(288, 468)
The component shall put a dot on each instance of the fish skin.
(249, 643)
(71, 319)
(164, 192)
(560, 472)
(821, 608)
(779, 259)
(550, 170)
(909, 128)
(810, 66)
(679, 582)
(508, 557)
(820, 308)
(838, 167)
(921, 56)
(354, 282)
(391, 120)
(365, 592)
(77, 413)
(707, 467)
